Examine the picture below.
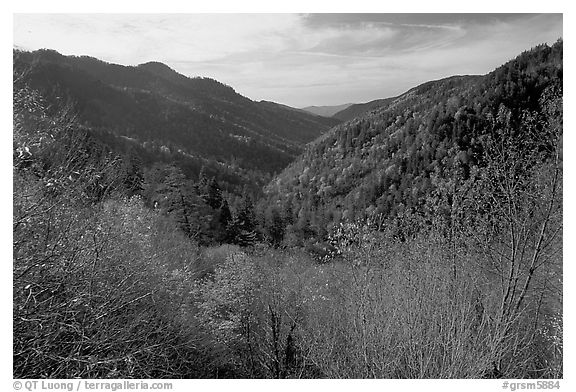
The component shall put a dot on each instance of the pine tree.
(274, 225)
(174, 198)
(133, 178)
(213, 195)
(225, 215)
(242, 228)
(202, 180)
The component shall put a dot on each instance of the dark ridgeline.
(421, 238)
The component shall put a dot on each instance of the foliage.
(98, 279)
(436, 254)
(164, 116)
(395, 160)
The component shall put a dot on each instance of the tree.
(274, 225)
(224, 219)
(519, 196)
(212, 195)
(98, 279)
(242, 228)
(133, 178)
(176, 197)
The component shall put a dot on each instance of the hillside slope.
(359, 109)
(159, 109)
(395, 158)
(327, 111)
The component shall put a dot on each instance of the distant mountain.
(275, 105)
(358, 109)
(196, 121)
(326, 111)
(400, 152)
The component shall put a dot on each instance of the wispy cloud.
(298, 59)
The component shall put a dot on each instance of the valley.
(165, 226)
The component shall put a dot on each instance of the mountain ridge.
(392, 158)
(326, 111)
(155, 105)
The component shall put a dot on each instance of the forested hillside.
(166, 116)
(402, 157)
(359, 109)
(422, 239)
(327, 111)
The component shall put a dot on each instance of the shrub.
(110, 303)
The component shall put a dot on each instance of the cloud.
(195, 36)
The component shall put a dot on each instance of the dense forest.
(359, 109)
(158, 114)
(420, 239)
(424, 146)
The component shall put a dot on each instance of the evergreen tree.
(174, 198)
(213, 195)
(133, 180)
(225, 215)
(202, 181)
(243, 226)
(274, 225)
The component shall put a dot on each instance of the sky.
(298, 59)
